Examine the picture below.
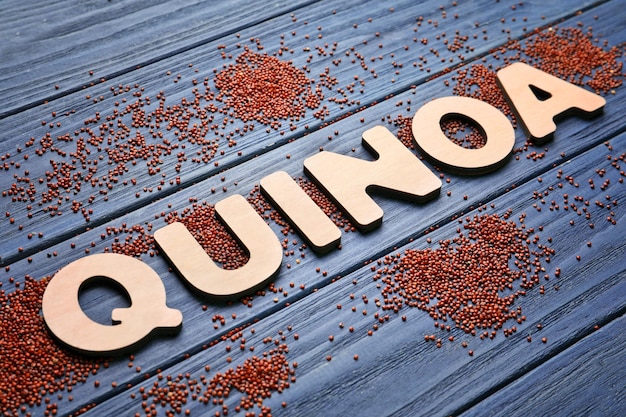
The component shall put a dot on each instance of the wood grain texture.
(592, 368)
(46, 45)
(397, 372)
(402, 220)
(577, 278)
(396, 29)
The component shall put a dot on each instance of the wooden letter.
(197, 268)
(131, 326)
(347, 180)
(306, 216)
(519, 82)
(494, 125)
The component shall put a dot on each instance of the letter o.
(494, 125)
(68, 322)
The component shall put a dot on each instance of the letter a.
(197, 268)
(520, 82)
(347, 180)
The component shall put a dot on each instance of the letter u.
(199, 270)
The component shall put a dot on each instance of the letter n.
(348, 180)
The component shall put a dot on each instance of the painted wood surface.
(596, 359)
(397, 372)
(18, 129)
(50, 50)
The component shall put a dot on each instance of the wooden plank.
(592, 368)
(164, 352)
(395, 232)
(392, 26)
(270, 162)
(402, 221)
(71, 44)
(397, 371)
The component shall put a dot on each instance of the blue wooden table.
(71, 67)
